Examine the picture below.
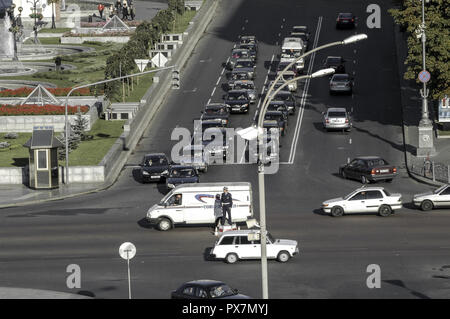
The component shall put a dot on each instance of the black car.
(237, 54)
(368, 169)
(280, 117)
(238, 75)
(213, 146)
(283, 64)
(345, 20)
(210, 123)
(335, 62)
(248, 39)
(288, 98)
(238, 100)
(181, 174)
(272, 124)
(245, 63)
(215, 111)
(206, 289)
(276, 86)
(154, 167)
(278, 106)
(252, 49)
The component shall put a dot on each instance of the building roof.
(43, 138)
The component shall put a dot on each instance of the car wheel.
(337, 211)
(364, 179)
(164, 224)
(426, 205)
(384, 210)
(231, 258)
(283, 256)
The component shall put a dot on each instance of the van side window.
(228, 240)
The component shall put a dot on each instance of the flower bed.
(31, 109)
(25, 91)
(101, 24)
(102, 34)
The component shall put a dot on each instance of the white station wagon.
(245, 244)
(438, 198)
(364, 200)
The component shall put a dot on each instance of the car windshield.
(248, 86)
(236, 96)
(345, 15)
(221, 291)
(155, 161)
(283, 97)
(218, 110)
(336, 114)
(340, 77)
(273, 116)
(376, 162)
(436, 191)
(244, 64)
(183, 172)
(239, 54)
(349, 195)
(270, 237)
(387, 192)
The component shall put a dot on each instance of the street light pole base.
(426, 145)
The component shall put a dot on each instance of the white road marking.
(350, 141)
(209, 101)
(304, 95)
(218, 80)
(214, 90)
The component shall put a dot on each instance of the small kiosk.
(43, 158)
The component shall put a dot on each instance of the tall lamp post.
(16, 27)
(426, 145)
(34, 3)
(258, 132)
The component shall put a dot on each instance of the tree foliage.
(138, 46)
(437, 20)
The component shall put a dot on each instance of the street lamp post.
(16, 27)
(66, 118)
(426, 145)
(260, 132)
(34, 3)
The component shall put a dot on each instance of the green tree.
(437, 21)
(80, 126)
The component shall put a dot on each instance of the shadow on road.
(401, 284)
(137, 175)
(207, 254)
(145, 224)
(86, 293)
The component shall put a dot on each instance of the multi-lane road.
(412, 248)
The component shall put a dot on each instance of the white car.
(438, 198)
(364, 200)
(245, 244)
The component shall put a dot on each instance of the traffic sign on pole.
(141, 63)
(127, 251)
(159, 60)
(424, 76)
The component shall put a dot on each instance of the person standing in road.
(218, 210)
(227, 202)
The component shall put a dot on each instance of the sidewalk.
(20, 195)
(411, 109)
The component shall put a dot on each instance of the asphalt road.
(411, 247)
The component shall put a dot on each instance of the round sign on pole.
(424, 76)
(127, 250)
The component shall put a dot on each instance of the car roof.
(181, 166)
(244, 81)
(345, 13)
(369, 188)
(341, 75)
(155, 154)
(204, 282)
(273, 112)
(239, 232)
(368, 157)
(334, 57)
(215, 105)
(238, 91)
(337, 109)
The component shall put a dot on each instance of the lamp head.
(323, 72)
(355, 38)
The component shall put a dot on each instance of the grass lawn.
(145, 81)
(17, 155)
(182, 21)
(441, 133)
(91, 152)
(90, 65)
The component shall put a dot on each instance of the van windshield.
(164, 199)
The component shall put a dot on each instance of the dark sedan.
(288, 98)
(368, 169)
(215, 111)
(345, 20)
(280, 117)
(154, 167)
(278, 106)
(206, 289)
(238, 100)
(335, 62)
(180, 174)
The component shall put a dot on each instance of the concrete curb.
(405, 128)
(201, 21)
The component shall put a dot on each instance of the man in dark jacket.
(227, 203)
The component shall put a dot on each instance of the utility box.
(43, 168)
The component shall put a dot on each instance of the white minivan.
(196, 204)
(293, 48)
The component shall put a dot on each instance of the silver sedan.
(437, 198)
(337, 118)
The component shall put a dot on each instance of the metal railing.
(430, 169)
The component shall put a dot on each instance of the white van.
(194, 204)
(293, 48)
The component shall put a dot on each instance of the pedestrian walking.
(218, 210)
(112, 11)
(227, 202)
(132, 13)
(124, 11)
(100, 8)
